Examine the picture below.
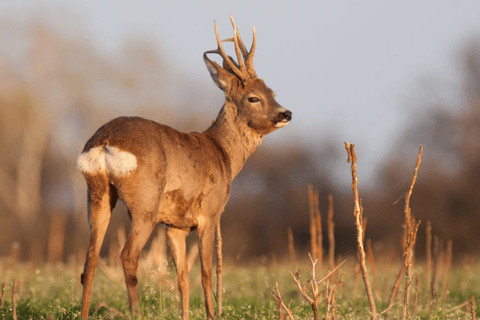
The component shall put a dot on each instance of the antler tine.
(247, 55)
(249, 62)
(236, 36)
(241, 45)
(224, 55)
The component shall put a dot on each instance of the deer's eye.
(253, 99)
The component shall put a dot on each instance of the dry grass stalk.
(364, 222)
(281, 304)
(358, 213)
(472, 307)
(331, 233)
(312, 196)
(428, 267)
(240, 252)
(411, 236)
(415, 303)
(318, 226)
(14, 302)
(113, 273)
(440, 259)
(219, 270)
(371, 260)
(330, 299)
(446, 268)
(18, 289)
(15, 253)
(408, 269)
(461, 305)
(56, 238)
(291, 246)
(394, 290)
(434, 276)
(2, 297)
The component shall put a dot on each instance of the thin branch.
(332, 272)
(358, 213)
(278, 297)
(296, 278)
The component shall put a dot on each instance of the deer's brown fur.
(181, 180)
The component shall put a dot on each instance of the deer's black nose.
(287, 115)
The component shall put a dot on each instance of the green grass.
(54, 292)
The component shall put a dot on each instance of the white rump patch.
(119, 163)
(92, 161)
(111, 159)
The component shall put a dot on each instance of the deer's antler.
(247, 55)
(244, 69)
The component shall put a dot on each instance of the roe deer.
(179, 179)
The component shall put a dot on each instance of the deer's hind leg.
(137, 238)
(101, 200)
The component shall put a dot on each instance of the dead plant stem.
(412, 229)
(352, 158)
(331, 233)
(472, 307)
(14, 302)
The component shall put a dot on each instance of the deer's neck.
(233, 135)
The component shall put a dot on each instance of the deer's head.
(255, 103)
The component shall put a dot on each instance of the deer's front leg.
(176, 238)
(206, 237)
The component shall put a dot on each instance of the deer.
(181, 180)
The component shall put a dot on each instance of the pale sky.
(348, 70)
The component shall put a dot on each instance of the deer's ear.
(222, 78)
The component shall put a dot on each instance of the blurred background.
(385, 76)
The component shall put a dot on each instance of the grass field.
(54, 292)
(382, 283)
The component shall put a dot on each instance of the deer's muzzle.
(282, 118)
